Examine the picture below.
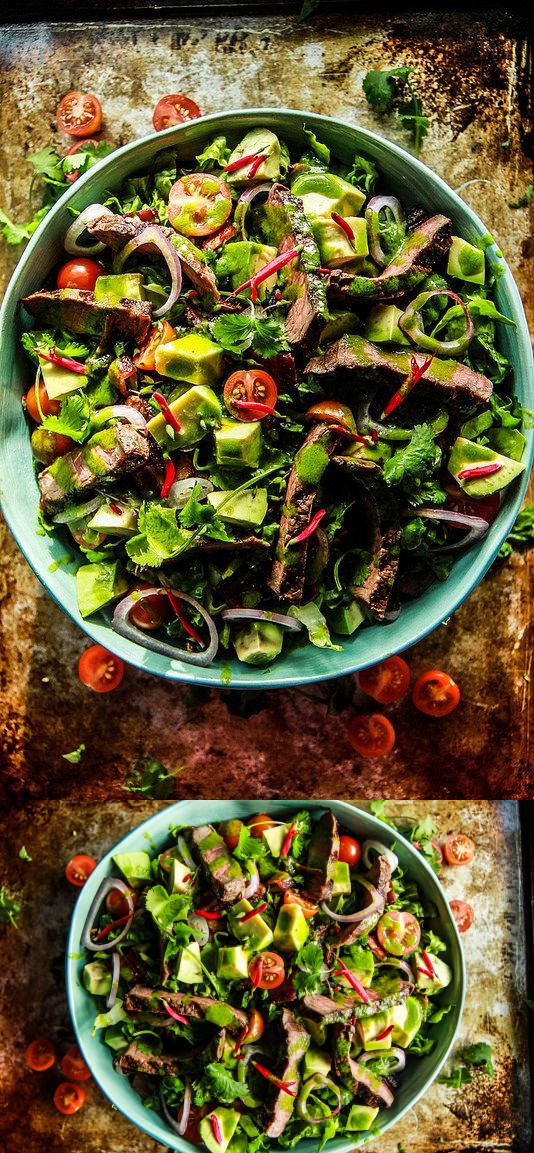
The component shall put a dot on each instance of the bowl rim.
(228, 672)
(347, 815)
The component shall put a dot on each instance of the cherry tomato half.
(253, 385)
(459, 849)
(174, 109)
(308, 908)
(160, 333)
(199, 204)
(40, 1054)
(259, 823)
(73, 1065)
(230, 832)
(387, 682)
(399, 933)
(484, 506)
(349, 851)
(79, 146)
(463, 914)
(68, 1097)
(117, 906)
(151, 613)
(332, 412)
(36, 399)
(371, 734)
(435, 694)
(79, 869)
(256, 1028)
(266, 971)
(166, 859)
(100, 670)
(47, 445)
(80, 273)
(79, 114)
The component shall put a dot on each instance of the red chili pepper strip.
(425, 972)
(240, 1040)
(267, 271)
(286, 1086)
(116, 508)
(115, 925)
(428, 963)
(374, 436)
(252, 912)
(63, 361)
(257, 973)
(344, 972)
(217, 1131)
(255, 165)
(309, 531)
(414, 376)
(167, 412)
(350, 435)
(175, 602)
(344, 224)
(170, 473)
(479, 470)
(242, 160)
(324, 271)
(255, 409)
(208, 916)
(187, 877)
(382, 1036)
(291, 834)
(177, 1016)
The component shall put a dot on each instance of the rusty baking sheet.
(488, 1116)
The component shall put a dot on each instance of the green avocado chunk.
(255, 931)
(406, 1020)
(465, 261)
(122, 286)
(232, 963)
(258, 643)
(97, 978)
(467, 454)
(193, 358)
(136, 867)
(248, 509)
(346, 619)
(97, 585)
(195, 410)
(238, 444)
(361, 1117)
(258, 140)
(291, 929)
(226, 1121)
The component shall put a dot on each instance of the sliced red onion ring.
(200, 927)
(107, 885)
(411, 323)
(181, 490)
(115, 975)
(178, 1127)
(121, 625)
(262, 615)
(77, 511)
(246, 198)
(90, 246)
(381, 851)
(377, 904)
(185, 854)
(397, 963)
(477, 526)
(123, 412)
(252, 886)
(308, 1087)
(153, 238)
(399, 1054)
(372, 215)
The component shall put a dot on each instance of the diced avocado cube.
(255, 931)
(189, 970)
(247, 509)
(238, 1144)
(193, 358)
(406, 1020)
(258, 643)
(223, 1015)
(316, 1061)
(318, 1030)
(291, 929)
(242, 259)
(177, 877)
(97, 978)
(98, 585)
(467, 454)
(442, 973)
(338, 324)
(196, 410)
(371, 1027)
(341, 878)
(121, 520)
(256, 141)
(136, 867)
(346, 619)
(274, 838)
(382, 326)
(508, 441)
(59, 381)
(361, 1117)
(238, 444)
(227, 1121)
(232, 963)
(335, 247)
(348, 199)
(466, 262)
(122, 286)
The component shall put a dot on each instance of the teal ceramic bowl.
(419, 1073)
(414, 184)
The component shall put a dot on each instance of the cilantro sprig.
(238, 333)
(383, 90)
(10, 907)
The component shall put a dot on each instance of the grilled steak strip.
(135, 1061)
(77, 310)
(325, 1009)
(362, 1083)
(381, 514)
(292, 229)
(362, 361)
(107, 455)
(296, 1041)
(116, 231)
(323, 853)
(222, 870)
(421, 251)
(142, 1000)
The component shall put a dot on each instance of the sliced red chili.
(167, 411)
(170, 473)
(265, 272)
(344, 224)
(382, 1036)
(286, 1086)
(242, 160)
(309, 530)
(255, 410)
(252, 912)
(186, 625)
(415, 374)
(255, 165)
(291, 834)
(63, 361)
(479, 470)
(115, 925)
(208, 916)
(428, 963)
(344, 972)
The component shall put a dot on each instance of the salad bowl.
(414, 184)
(419, 1073)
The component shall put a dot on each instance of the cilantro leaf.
(378, 809)
(480, 1055)
(233, 332)
(167, 909)
(151, 779)
(47, 163)
(224, 1087)
(380, 86)
(268, 337)
(9, 908)
(160, 536)
(24, 854)
(73, 420)
(249, 848)
(459, 1076)
(310, 961)
(412, 467)
(75, 757)
(18, 233)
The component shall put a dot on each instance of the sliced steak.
(380, 514)
(296, 1041)
(222, 870)
(363, 1084)
(380, 1004)
(116, 231)
(361, 361)
(421, 251)
(107, 455)
(323, 853)
(309, 310)
(142, 1000)
(135, 1061)
(325, 1009)
(380, 876)
(77, 311)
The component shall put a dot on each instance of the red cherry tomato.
(36, 399)
(73, 1065)
(459, 849)
(161, 333)
(259, 823)
(166, 859)
(79, 114)
(40, 1054)
(230, 832)
(308, 908)
(151, 613)
(100, 670)
(332, 412)
(399, 933)
(266, 971)
(174, 109)
(117, 906)
(252, 385)
(387, 682)
(199, 204)
(435, 694)
(463, 914)
(79, 869)
(484, 506)
(371, 734)
(68, 1097)
(349, 851)
(80, 273)
(79, 146)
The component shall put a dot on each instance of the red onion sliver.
(82, 223)
(262, 615)
(376, 906)
(184, 853)
(178, 1127)
(176, 1016)
(372, 213)
(246, 198)
(411, 323)
(182, 490)
(107, 885)
(381, 851)
(397, 963)
(399, 1054)
(125, 412)
(316, 1079)
(252, 886)
(75, 512)
(121, 625)
(200, 928)
(154, 239)
(115, 975)
(477, 526)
